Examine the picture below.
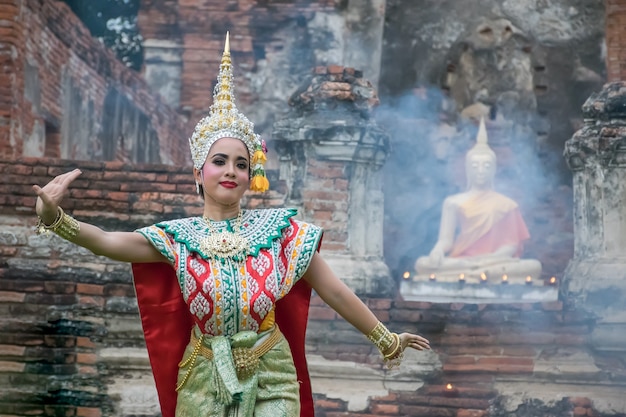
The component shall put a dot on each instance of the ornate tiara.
(226, 121)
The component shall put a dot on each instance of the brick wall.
(200, 27)
(55, 82)
(615, 43)
(478, 345)
(56, 300)
(57, 303)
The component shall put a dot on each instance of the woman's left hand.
(414, 341)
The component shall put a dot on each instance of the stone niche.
(484, 280)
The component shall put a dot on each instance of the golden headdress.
(225, 121)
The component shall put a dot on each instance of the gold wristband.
(64, 225)
(394, 358)
(388, 344)
(381, 337)
(43, 228)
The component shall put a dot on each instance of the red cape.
(167, 326)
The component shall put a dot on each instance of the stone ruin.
(70, 342)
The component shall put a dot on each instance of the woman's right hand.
(49, 197)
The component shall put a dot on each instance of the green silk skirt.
(211, 387)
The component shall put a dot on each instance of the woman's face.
(481, 169)
(225, 175)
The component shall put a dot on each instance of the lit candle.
(450, 391)
(461, 277)
(505, 279)
(553, 281)
(406, 275)
(432, 277)
(483, 277)
(529, 280)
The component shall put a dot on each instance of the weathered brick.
(86, 358)
(88, 412)
(385, 409)
(89, 289)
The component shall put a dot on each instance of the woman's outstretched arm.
(344, 301)
(120, 246)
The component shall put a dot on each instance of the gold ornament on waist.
(246, 362)
(225, 244)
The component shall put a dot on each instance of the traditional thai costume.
(236, 361)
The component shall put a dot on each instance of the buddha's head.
(480, 162)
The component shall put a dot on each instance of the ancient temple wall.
(546, 61)
(615, 55)
(70, 342)
(68, 96)
(274, 44)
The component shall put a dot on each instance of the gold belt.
(246, 360)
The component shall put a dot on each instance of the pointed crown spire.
(225, 120)
(482, 142)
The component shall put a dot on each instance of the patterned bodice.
(226, 296)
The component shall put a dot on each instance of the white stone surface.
(356, 383)
(608, 400)
(475, 293)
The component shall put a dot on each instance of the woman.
(245, 277)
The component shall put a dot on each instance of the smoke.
(430, 138)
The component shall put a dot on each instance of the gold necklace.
(225, 244)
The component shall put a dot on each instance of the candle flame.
(529, 279)
(552, 280)
(449, 386)
(406, 275)
(505, 277)
(461, 277)
(432, 276)
(483, 276)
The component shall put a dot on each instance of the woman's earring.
(197, 188)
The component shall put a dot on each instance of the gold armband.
(387, 343)
(64, 225)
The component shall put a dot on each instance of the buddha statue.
(482, 232)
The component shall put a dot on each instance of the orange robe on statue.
(487, 222)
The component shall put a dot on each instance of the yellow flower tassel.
(259, 181)
(259, 157)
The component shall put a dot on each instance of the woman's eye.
(242, 166)
(218, 162)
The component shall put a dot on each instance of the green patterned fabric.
(259, 227)
(223, 298)
(272, 392)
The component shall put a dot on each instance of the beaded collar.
(258, 227)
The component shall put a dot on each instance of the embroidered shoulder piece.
(259, 227)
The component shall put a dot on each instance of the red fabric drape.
(167, 326)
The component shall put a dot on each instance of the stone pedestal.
(330, 155)
(595, 279)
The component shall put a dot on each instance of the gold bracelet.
(388, 344)
(394, 352)
(64, 225)
(43, 228)
(381, 337)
